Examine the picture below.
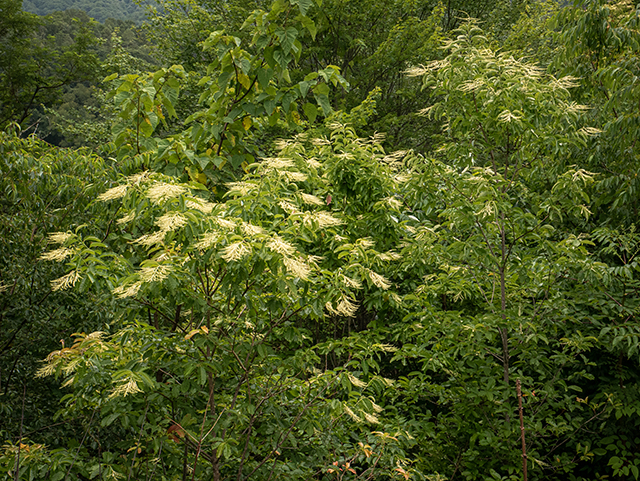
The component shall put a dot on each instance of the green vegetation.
(238, 275)
(52, 69)
(99, 10)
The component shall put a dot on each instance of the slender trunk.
(524, 446)
(504, 333)
(212, 407)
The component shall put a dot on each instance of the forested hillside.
(97, 9)
(321, 240)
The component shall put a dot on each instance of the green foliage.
(320, 307)
(218, 307)
(100, 10)
(34, 67)
(244, 91)
(43, 190)
(600, 44)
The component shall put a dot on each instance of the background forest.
(100, 10)
(319, 240)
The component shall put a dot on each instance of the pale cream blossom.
(388, 382)
(396, 298)
(57, 254)
(294, 176)
(378, 280)
(151, 239)
(385, 347)
(95, 336)
(346, 307)
(589, 131)
(314, 260)
(201, 205)
(297, 267)
(371, 418)
(365, 243)
(355, 381)
(288, 207)
(352, 283)
(329, 307)
(313, 162)
(127, 218)
(279, 245)
(395, 156)
(389, 256)
(471, 85)
(318, 142)
(574, 108)
(278, 163)
(487, 210)
(345, 156)
(282, 144)
(323, 219)
(66, 281)
(127, 290)
(251, 230)
(161, 191)
(46, 370)
(566, 82)
(129, 386)
(60, 237)
(226, 223)
(508, 116)
(419, 70)
(139, 177)
(394, 203)
(208, 240)
(156, 273)
(310, 199)
(71, 366)
(113, 193)
(351, 414)
(171, 221)
(69, 381)
(241, 188)
(235, 251)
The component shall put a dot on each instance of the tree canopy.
(247, 279)
(100, 10)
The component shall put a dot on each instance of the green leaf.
(310, 25)
(287, 37)
(323, 101)
(321, 89)
(282, 58)
(304, 5)
(310, 111)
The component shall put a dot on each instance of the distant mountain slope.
(98, 9)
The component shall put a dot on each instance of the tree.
(33, 70)
(43, 189)
(331, 310)
(217, 351)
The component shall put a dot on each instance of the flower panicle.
(114, 193)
